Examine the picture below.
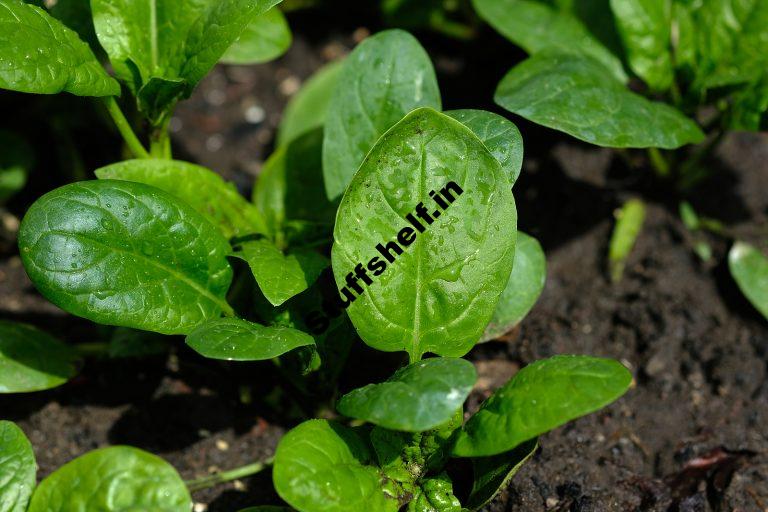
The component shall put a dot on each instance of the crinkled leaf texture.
(540, 397)
(233, 339)
(526, 282)
(749, 268)
(204, 190)
(492, 474)
(265, 38)
(500, 136)
(127, 254)
(31, 360)
(281, 276)
(416, 398)
(17, 468)
(578, 96)
(176, 42)
(115, 479)
(39, 54)
(384, 78)
(308, 108)
(438, 295)
(537, 27)
(324, 466)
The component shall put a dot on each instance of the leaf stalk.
(227, 476)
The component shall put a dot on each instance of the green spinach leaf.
(201, 188)
(16, 160)
(321, 462)
(492, 474)
(31, 360)
(384, 78)
(416, 398)
(749, 268)
(126, 254)
(540, 397)
(578, 96)
(629, 223)
(17, 468)
(115, 479)
(39, 54)
(523, 289)
(265, 38)
(233, 339)
(440, 292)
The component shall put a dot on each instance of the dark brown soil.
(690, 436)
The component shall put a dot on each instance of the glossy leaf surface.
(233, 339)
(749, 268)
(577, 95)
(265, 38)
(123, 253)
(17, 468)
(439, 294)
(492, 474)
(204, 190)
(31, 360)
(115, 479)
(540, 397)
(500, 136)
(39, 54)
(523, 289)
(321, 465)
(384, 78)
(416, 398)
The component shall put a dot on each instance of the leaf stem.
(227, 476)
(659, 163)
(124, 127)
(160, 140)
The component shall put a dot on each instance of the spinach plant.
(156, 245)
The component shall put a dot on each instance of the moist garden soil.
(690, 436)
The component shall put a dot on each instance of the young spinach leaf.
(31, 360)
(578, 96)
(17, 468)
(308, 109)
(749, 268)
(540, 397)
(492, 474)
(16, 160)
(646, 30)
(439, 294)
(629, 223)
(435, 494)
(41, 55)
(384, 78)
(126, 254)
(281, 276)
(233, 339)
(416, 398)
(536, 27)
(112, 479)
(500, 136)
(523, 289)
(321, 465)
(201, 188)
(265, 38)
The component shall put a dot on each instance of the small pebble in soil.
(222, 445)
(214, 143)
(289, 86)
(254, 114)
(200, 507)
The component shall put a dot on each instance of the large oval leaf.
(321, 465)
(31, 360)
(307, 110)
(540, 397)
(440, 293)
(577, 95)
(201, 188)
(17, 468)
(233, 339)
(416, 398)
(523, 289)
(128, 254)
(116, 479)
(384, 78)
(265, 38)
(492, 474)
(749, 268)
(39, 54)
(500, 136)
(537, 27)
